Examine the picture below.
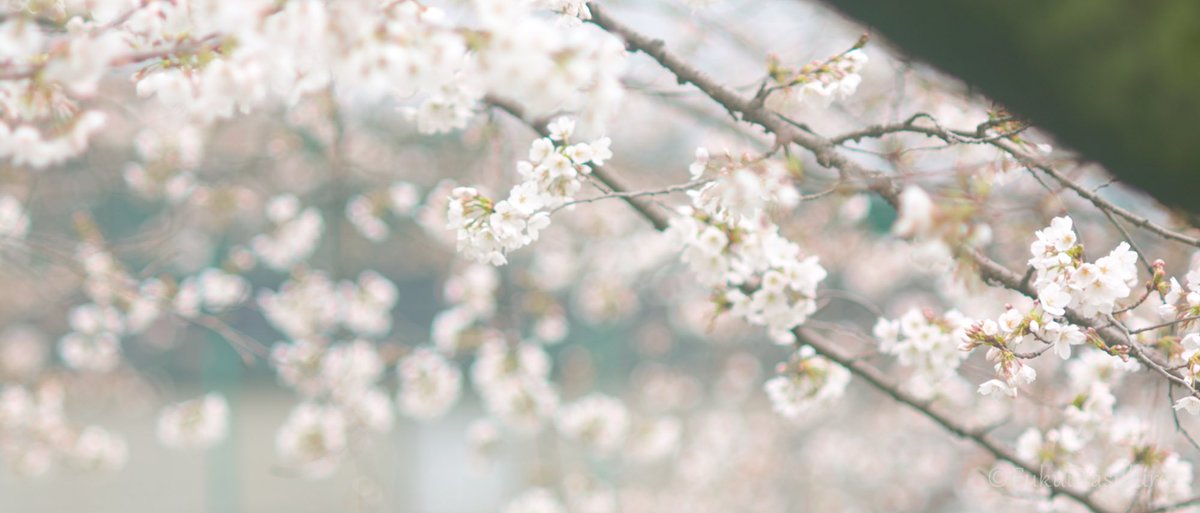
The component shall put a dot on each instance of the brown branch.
(980, 437)
(1164, 325)
(828, 349)
(993, 272)
(753, 110)
(1140, 221)
(208, 43)
(683, 187)
(855, 365)
(1004, 143)
(1145, 295)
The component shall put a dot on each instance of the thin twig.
(1175, 416)
(683, 187)
(1164, 324)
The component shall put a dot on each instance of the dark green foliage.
(1116, 80)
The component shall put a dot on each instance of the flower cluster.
(1177, 303)
(514, 383)
(304, 306)
(807, 382)
(472, 294)
(825, 80)
(27, 145)
(34, 434)
(927, 343)
(168, 159)
(213, 289)
(934, 230)
(917, 213)
(1052, 449)
(41, 120)
(293, 236)
(194, 424)
(487, 230)
(94, 342)
(429, 384)
(313, 439)
(1092, 377)
(120, 305)
(730, 244)
(598, 421)
(1003, 338)
(366, 211)
(1064, 280)
(546, 68)
(95, 448)
(652, 439)
(1113, 451)
(1118, 454)
(205, 60)
(1182, 308)
(339, 384)
(310, 305)
(409, 49)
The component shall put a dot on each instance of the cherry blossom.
(810, 382)
(194, 424)
(556, 170)
(364, 201)
(313, 439)
(429, 385)
(599, 421)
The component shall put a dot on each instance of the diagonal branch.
(1004, 143)
(868, 373)
(754, 111)
(979, 437)
(656, 218)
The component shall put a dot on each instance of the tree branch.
(599, 172)
(828, 349)
(1004, 143)
(979, 437)
(753, 111)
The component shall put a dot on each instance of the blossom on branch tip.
(486, 230)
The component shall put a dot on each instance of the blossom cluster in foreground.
(555, 172)
(730, 244)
